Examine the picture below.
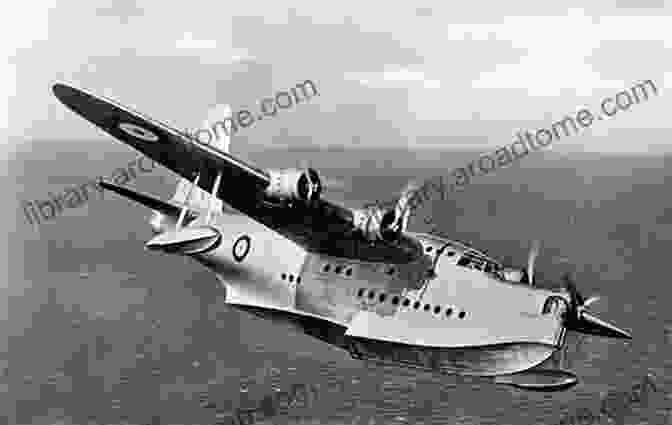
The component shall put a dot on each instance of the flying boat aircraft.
(353, 278)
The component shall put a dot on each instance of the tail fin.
(218, 124)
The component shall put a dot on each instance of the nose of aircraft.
(578, 319)
(593, 325)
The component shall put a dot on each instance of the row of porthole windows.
(290, 277)
(337, 269)
(348, 270)
(396, 300)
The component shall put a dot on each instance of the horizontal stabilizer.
(141, 198)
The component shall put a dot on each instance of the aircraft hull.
(493, 338)
(485, 360)
(479, 360)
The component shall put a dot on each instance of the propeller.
(394, 216)
(402, 209)
(534, 253)
(314, 183)
(578, 319)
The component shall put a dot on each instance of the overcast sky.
(388, 73)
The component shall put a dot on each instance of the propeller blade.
(402, 209)
(570, 287)
(574, 294)
(591, 300)
(534, 253)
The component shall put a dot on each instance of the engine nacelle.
(294, 185)
(377, 223)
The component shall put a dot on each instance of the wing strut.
(185, 206)
(189, 240)
(213, 194)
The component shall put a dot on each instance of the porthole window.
(382, 297)
(291, 278)
(348, 272)
(371, 294)
(429, 248)
(390, 271)
(338, 269)
(450, 253)
(407, 302)
(427, 307)
(449, 311)
(462, 314)
(437, 309)
(360, 293)
(416, 305)
(326, 268)
(395, 300)
(284, 276)
(298, 279)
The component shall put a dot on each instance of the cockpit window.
(477, 262)
(464, 262)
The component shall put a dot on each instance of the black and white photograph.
(338, 213)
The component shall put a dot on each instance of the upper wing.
(320, 226)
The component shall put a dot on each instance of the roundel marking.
(241, 248)
(138, 132)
